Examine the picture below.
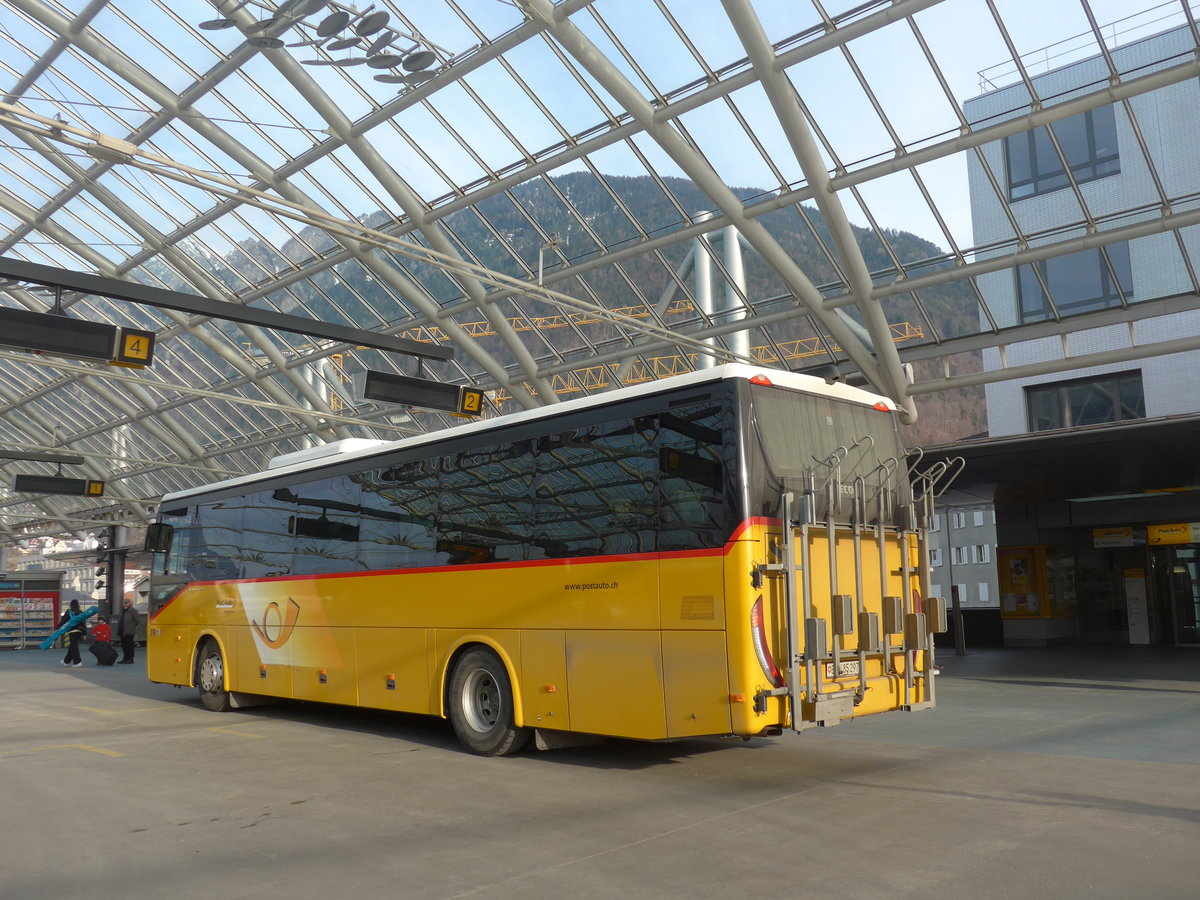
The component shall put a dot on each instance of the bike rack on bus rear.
(915, 620)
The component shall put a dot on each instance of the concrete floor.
(1043, 773)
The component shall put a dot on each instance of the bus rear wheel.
(210, 678)
(481, 705)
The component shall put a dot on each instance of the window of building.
(1086, 401)
(958, 520)
(1077, 283)
(981, 553)
(983, 592)
(935, 556)
(1088, 142)
(960, 556)
(977, 517)
(935, 523)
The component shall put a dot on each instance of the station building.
(1094, 470)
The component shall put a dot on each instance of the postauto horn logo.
(277, 626)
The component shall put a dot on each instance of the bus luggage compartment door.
(168, 654)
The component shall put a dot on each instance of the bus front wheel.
(481, 705)
(210, 678)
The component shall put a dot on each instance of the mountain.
(613, 211)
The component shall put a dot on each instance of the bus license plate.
(847, 667)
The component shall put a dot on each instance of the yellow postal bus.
(735, 551)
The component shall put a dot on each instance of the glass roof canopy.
(569, 196)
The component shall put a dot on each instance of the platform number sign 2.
(135, 348)
(470, 402)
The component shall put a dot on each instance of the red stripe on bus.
(154, 615)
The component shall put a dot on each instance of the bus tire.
(481, 705)
(210, 678)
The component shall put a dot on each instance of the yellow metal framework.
(597, 378)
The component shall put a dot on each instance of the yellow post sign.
(1177, 533)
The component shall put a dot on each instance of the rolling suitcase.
(104, 653)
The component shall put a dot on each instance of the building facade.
(962, 556)
(1118, 565)
(1107, 152)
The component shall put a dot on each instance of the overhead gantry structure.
(445, 172)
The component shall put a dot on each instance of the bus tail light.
(761, 379)
(758, 632)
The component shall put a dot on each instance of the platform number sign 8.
(470, 402)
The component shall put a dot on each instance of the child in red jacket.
(102, 647)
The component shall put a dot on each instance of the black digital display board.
(58, 335)
(384, 387)
(54, 484)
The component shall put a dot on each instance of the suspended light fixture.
(342, 28)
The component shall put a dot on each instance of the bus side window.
(593, 491)
(266, 543)
(216, 543)
(485, 509)
(323, 521)
(399, 505)
(693, 511)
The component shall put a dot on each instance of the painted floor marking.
(88, 747)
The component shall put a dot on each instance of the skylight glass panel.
(441, 144)
(27, 178)
(782, 20)
(643, 46)
(558, 87)
(498, 90)
(147, 38)
(735, 158)
(474, 130)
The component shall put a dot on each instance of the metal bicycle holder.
(814, 699)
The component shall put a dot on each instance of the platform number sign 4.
(135, 348)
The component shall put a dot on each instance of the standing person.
(127, 624)
(74, 636)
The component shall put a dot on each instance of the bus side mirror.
(158, 537)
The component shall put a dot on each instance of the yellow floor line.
(230, 729)
(88, 747)
(121, 712)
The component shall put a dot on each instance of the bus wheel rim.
(212, 674)
(481, 700)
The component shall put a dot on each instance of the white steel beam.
(705, 177)
(782, 96)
